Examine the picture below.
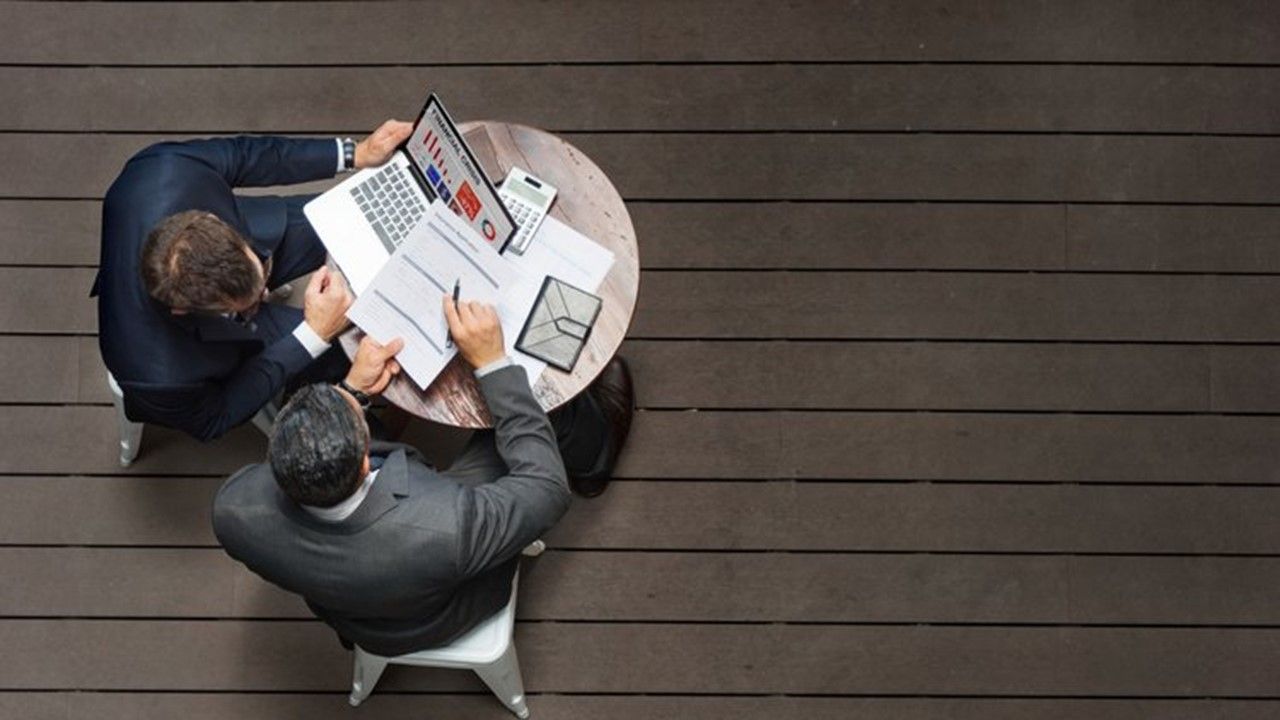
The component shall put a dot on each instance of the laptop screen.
(450, 168)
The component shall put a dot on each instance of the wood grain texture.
(989, 447)
(886, 236)
(1172, 239)
(667, 658)
(47, 300)
(945, 446)
(921, 30)
(332, 706)
(684, 515)
(84, 439)
(938, 376)
(958, 306)
(949, 312)
(836, 305)
(717, 166)
(681, 587)
(824, 98)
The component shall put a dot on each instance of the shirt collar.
(344, 509)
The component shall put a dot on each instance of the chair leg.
(130, 432)
(368, 668)
(503, 678)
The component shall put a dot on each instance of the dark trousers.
(581, 432)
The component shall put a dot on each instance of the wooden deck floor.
(958, 353)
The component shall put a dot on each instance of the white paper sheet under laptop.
(404, 298)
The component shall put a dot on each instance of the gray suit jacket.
(427, 555)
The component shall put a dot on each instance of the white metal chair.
(487, 649)
(131, 432)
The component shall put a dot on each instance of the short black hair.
(193, 260)
(318, 446)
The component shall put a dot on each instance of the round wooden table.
(588, 203)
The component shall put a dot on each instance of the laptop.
(363, 219)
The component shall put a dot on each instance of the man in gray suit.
(391, 553)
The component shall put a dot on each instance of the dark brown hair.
(194, 261)
(318, 446)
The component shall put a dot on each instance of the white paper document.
(560, 251)
(404, 299)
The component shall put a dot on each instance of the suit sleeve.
(251, 161)
(500, 518)
(208, 410)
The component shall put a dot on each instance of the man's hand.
(374, 365)
(326, 303)
(476, 331)
(377, 148)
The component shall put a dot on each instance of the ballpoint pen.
(457, 285)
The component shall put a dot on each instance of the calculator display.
(524, 193)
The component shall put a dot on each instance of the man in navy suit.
(187, 264)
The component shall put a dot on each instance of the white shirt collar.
(343, 510)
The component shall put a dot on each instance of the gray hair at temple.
(318, 446)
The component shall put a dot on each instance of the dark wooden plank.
(926, 517)
(929, 30)
(933, 166)
(1067, 448)
(1064, 98)
(883, 305)
(218, 706)
(107, 510)
(662, 658)
(680, 515)
(657, 586)
(84, 439)
(832, 236)
(940, 167)
(944, 446)
(915, 375)
(1246, 379)
(1172, 239)
(47, 300)
(44, 232)
(959, 306)
(683, 236)
(871, 236)
(761, 444)
(40, 369)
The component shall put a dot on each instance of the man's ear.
(364, 465)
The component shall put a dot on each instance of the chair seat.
(481, 645)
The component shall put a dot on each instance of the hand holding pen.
(448, 338)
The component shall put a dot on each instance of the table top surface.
(587, 202)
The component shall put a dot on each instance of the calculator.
(528, 199)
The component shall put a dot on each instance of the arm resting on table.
(506, 515)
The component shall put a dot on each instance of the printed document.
(404, 299)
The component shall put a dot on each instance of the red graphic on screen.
(467, 198)
(426, 139)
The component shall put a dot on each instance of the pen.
(457, 285)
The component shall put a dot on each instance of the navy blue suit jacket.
(204, 375)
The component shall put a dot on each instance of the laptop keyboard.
(390, 204)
